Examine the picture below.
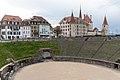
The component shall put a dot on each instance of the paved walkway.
(66, 71)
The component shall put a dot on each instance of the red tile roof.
(105, 21)
(39, 18)
(69, 20)
(87, 19)
(11, 18)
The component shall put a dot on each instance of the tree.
(57, 30)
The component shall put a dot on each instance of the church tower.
(105, 27)
(80, 13)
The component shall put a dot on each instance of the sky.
(56, 10)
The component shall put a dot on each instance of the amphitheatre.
(84, 58)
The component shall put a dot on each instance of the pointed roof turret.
(80, 13)
(72, 18)
(105, 21)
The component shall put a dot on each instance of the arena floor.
(66, 71)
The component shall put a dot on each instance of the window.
(83, 26)
(14, 33)
(3, 33)
(3, 27)
(19, 33)
(10, 33)
(17, 23)
(9, 37)
(11, 27)
(10, 22)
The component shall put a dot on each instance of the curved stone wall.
(8, 70)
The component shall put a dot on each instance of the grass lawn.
(22, 50)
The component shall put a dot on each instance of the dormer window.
(10, 22)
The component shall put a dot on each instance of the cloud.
(55, 10)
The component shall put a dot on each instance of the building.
(26, 29)
(34, 27)
(105, 27)
(40, 27)
(81, 26)
(11, 27)
(76, 26)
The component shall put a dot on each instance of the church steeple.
(105, 21)
(72, 15)
(72, 18)
(105, 27)
(80, 13)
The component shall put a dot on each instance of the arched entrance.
(46, 53)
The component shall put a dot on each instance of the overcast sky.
(55, 10)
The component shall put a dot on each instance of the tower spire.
(105, 21)
(80, 13)
(72, 18)
(72, 14)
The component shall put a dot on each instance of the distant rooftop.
(11, 18)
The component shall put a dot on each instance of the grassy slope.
(22, 50)
(63, 47)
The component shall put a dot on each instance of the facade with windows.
(81, 26)
(75, 26)
(40, 27)
(44, 30)
(11, 27)
(26, 29)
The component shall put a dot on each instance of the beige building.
(77, 26)
(40, 27)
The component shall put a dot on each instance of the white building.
(26, 29)
(11, 27)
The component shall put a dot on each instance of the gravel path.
(66, 71)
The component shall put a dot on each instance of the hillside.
(98, 48)
(22, 50)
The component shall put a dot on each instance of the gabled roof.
(11, 18)
(68, 20)
(95, 29)
(105, 21)
(39, 19)
(87, 19)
